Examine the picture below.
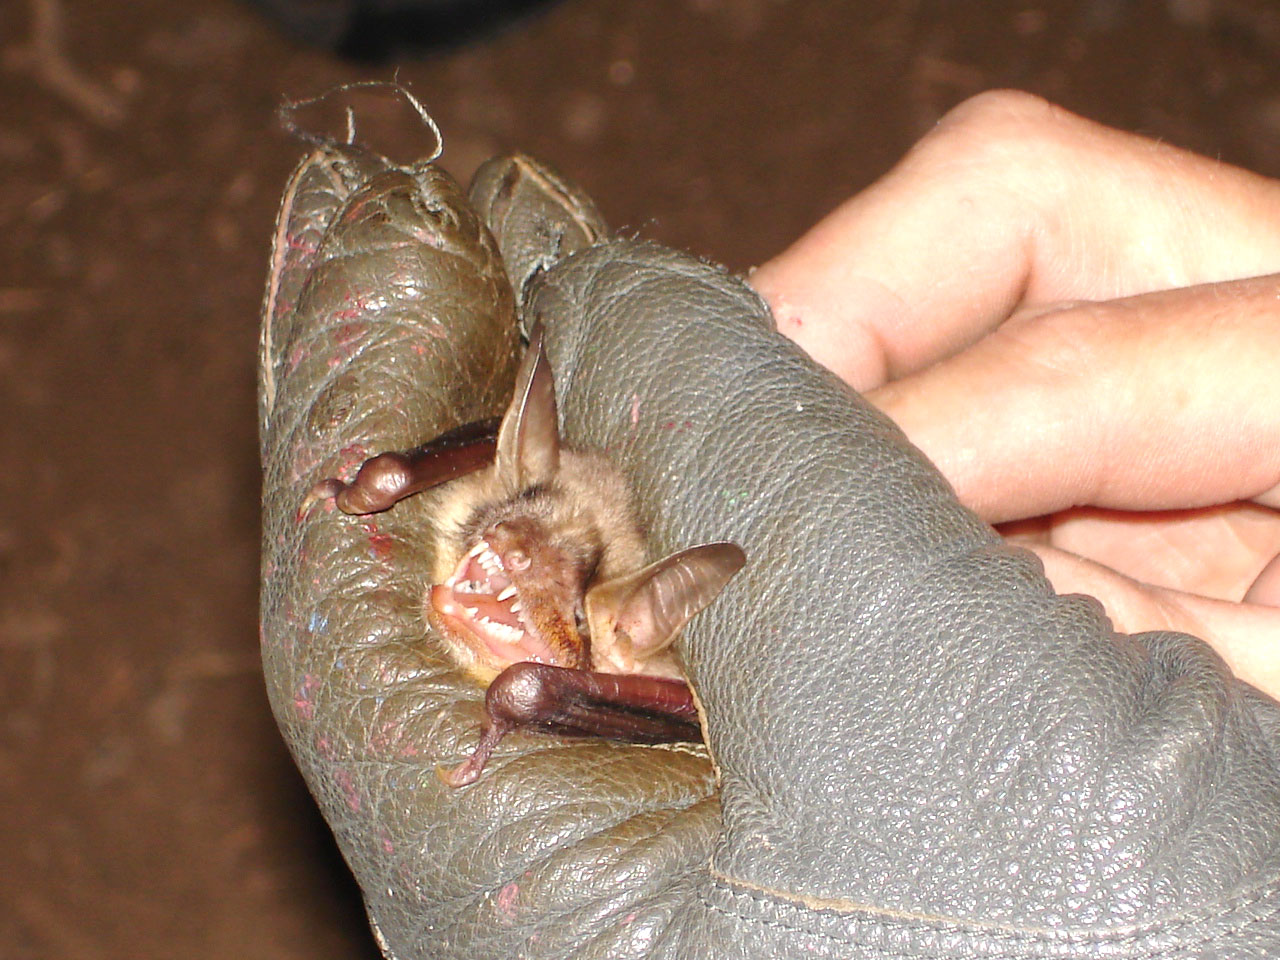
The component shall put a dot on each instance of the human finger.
(1221, 551)
(1010, 202)
(1245, 635)
(1266, 586)
(1163, 401)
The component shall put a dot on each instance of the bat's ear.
(645, 610)
(529, 438)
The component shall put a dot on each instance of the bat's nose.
(512, 544)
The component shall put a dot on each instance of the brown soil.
(148, 808)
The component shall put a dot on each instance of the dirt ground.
(147, 806)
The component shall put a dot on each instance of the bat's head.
(518, 594)
(552, 556)
(530, 548)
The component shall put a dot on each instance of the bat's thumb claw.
(324, 490)
(464, 773)
(469, 770)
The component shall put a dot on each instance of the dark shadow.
(373, 31)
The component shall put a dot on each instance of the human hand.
(1081, 328)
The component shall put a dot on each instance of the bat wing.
(388, 478)
(579, 703)
(525, 444)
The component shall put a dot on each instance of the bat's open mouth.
(481, 604)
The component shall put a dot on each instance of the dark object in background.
(374, 30)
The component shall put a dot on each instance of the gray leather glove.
(920, 750)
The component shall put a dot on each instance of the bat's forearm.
(385, 480)
(554, 699)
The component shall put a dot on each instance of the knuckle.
(1005, 135)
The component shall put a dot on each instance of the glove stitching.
(942, 925)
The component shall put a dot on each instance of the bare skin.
(1081, 328)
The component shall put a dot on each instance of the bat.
(540, 590)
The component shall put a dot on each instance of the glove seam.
(738, 890)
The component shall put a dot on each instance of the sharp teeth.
(504, 632)
(478, 549)
(507, 594)
(516, 608)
